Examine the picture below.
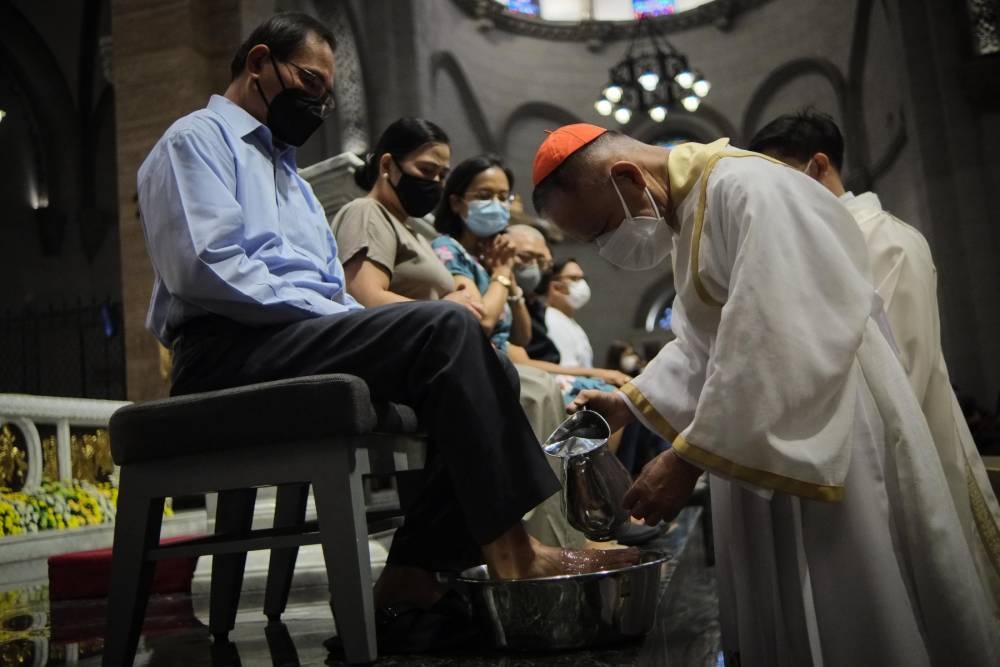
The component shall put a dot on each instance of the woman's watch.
(504, 280)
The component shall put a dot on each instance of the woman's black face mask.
(418, 196)
(292, 115)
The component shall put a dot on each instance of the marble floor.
(686, 631)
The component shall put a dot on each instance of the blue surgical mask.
(487, 218)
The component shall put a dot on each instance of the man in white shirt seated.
(568, 292)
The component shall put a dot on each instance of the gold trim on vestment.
(699, 223)
(825, 492)
(989, 533)
(685, 162)
(699, 219)
(659, 422)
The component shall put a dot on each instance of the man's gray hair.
(526, 230)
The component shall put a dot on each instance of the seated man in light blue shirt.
(248, 289)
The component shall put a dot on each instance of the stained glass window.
(599, 10)
(663, 321)
(529, 7)
(653, 7)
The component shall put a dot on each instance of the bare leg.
(400, 584)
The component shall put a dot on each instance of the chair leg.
(280, 644)
(233, 517)
(137, 530)
(343, 531)
(289, 510)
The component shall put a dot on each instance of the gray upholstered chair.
(321, 431)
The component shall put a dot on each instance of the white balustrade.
(24, 412)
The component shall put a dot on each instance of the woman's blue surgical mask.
(487, 218)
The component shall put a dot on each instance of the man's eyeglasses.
(313, 84)
(527, 259)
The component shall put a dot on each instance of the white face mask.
(630, 363)
(639, 243)
(579, 294)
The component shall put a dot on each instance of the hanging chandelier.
(655, 80)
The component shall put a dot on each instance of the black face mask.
(418, 196)
(292, 115)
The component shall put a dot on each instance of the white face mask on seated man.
(630, 363)
(579, 294)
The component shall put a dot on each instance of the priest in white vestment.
(837, 542)
(906, 279)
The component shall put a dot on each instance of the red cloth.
(86, 574)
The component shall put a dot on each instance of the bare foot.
(550, 561)
(516, 555)
(610, 545)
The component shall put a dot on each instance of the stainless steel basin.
(570, 611)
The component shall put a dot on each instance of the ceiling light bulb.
(658, 113)
(691, 102)
(623, 115)
(701, 87)
(649, 80)
(614, 93)
(604, 107)
(684, 79)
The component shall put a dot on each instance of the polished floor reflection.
(35, 632)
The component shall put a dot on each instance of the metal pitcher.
(595, 481)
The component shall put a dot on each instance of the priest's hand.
(609, 404)
(662, 488)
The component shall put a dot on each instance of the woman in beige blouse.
(385, 258)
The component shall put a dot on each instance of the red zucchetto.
(559, 145)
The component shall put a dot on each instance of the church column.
(169, 56)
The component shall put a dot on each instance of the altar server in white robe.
(836, 539)
(906, 279)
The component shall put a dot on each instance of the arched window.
(598, 10)
(598, 21)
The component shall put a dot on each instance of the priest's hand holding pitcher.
(609, 404)
(665, 484)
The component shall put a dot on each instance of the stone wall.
(60, 227)
(494, 90)
(169, 56)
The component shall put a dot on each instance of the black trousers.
(485, 466)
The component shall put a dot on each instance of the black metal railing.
(63, 350)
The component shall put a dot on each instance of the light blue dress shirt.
(232, 229)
